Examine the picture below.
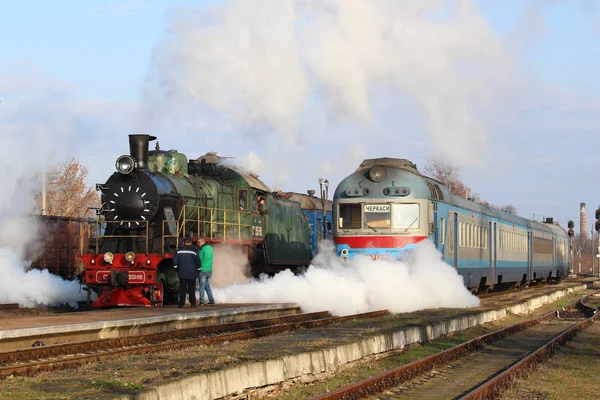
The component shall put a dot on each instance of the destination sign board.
(377, 208)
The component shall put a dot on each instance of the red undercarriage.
(124, 283)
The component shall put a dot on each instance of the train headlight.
(125, 164)
(109, 257)
(377, 173)
(344, 252)
(130, 256)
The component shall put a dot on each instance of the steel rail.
(396, 376)
(32, 368)
(493, 388)
(57, 350)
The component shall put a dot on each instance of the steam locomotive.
(157, 197)
(387, 206)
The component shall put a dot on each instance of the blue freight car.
(312, 207)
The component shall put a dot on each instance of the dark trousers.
(189, 286)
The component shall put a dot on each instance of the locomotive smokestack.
(138, 149)
(582, 221)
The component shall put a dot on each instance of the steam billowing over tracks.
(481, 368)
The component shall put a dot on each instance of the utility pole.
(597, 226)
(324, 195)
(593, 252)
(44, 193)
(45, 184)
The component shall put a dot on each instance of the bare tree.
(68, 195)
(509, 209)
(441, 170)
(449, 175)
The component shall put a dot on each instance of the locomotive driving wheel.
(158, 294)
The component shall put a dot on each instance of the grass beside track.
(572, 373)
(366, 369)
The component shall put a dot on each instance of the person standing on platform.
(206, 261)
(187, 265)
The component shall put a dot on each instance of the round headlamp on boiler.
(125, 164)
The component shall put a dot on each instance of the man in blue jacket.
(187, 264)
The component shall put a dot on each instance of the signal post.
(571, 233)
(597, 226)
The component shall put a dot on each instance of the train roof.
(311, 202)
(426, 187)
(252, 180)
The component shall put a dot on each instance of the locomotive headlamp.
(109, 257)
(125, 164)
(344, 252)
(377, 173)
(130, 256)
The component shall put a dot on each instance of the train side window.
(471, 241)
(242, 199)
(442, 231)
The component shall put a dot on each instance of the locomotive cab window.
(243, 199)
(349, 216)
(406, 216)
(377, 216)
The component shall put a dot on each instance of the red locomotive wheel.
(158, 294)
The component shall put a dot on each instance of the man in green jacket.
(206, 262)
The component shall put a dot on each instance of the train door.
(554, 257)
(529, 256)
(491, 249)
(494, 252)
(455, 239)
(436, 232)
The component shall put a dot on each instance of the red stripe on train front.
(388, 242)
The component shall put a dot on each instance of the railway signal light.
(571, 225)
(598, 219)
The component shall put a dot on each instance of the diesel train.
(387, 206)
(157, 197)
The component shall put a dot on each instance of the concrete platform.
(22, 332)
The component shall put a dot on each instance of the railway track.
(62, 356)
(481, 368)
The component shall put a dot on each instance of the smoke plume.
(361, 285)
(34, 134)
(267, 63)
(230, 266)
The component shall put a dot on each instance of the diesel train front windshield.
(379, 216)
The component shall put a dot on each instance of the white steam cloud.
(361, 285)
(34, 133)
(264, 62)
(230, 266)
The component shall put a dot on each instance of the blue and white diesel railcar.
(387, 206)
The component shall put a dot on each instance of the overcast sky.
(297, 89)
